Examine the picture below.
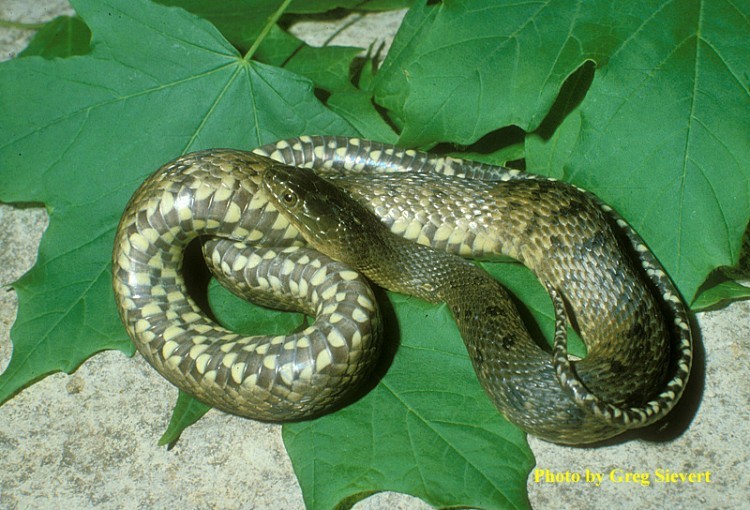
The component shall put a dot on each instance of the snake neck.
(591, 396)
(564, 237)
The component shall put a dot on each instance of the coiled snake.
(627, 310)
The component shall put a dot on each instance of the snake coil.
(627, 310)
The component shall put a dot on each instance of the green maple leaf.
(141, 96)
(664, 135)
(661, 135)
(114, 116)
(159, 82)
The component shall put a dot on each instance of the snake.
(306, 223)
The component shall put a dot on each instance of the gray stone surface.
(88, 440)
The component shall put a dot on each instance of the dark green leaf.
(358, 109)
(250, 319)
(64, 36)
(306, 6)
(186, 411)
(328, 67)
(459, 70)
(356, 105)
(278, 47)
(240, 21)
(720, 294)
(653, 136)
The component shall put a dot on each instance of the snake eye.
(289, 198)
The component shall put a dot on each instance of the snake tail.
(504, 355)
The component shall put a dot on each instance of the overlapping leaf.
(242, 20)
(62, 37)
(665, 134)
(461, 69)
(662, 133)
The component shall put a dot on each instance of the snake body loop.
(215, 194)
(625, 307)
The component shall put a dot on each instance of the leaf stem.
(351, 22)
(19, 25)
(266, 29)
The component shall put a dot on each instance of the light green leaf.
(654, 137)
(720, 294)
(186, 411)
(459, 70)
(158, 83)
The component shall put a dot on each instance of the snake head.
(330, 220)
